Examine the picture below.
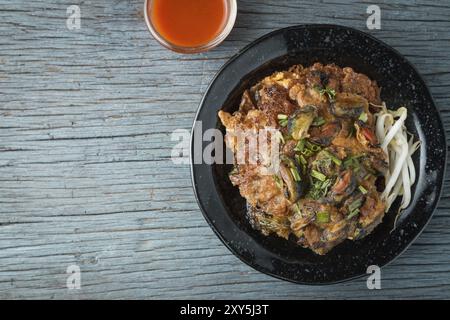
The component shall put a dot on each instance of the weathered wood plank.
(85, 170)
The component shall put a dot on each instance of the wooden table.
(86, 177)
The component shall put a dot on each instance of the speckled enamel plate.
(401, 84)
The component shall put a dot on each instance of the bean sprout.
(393, 136)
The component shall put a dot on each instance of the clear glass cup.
(227, 27)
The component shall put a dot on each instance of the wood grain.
(85, 138)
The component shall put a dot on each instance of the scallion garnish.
(278, 181)
(355, 205)
(319, 189)
(295, 174)
(318, 175)
(296, 208)
(283, 122)
(282, 117)
(348, 163)
(352, 214)
(326, 184)
(362, 189)
(307, 152)
(300, 145)
(288, 161)
(318, 121)
(352, 162)
(363, 117)
(333, 157)
(311, 146)
(329, 91)
(301, 161)
(322, 217)
(353, 208)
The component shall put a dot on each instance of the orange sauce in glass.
(188, 23)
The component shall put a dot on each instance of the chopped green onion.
(295, 174)
(278, 181)
(329, 91)
(282, 117)
(303, 160)
(288, 161)
(362, 189)
(296, 208)
(318, 175)
(352, 162)
(300, 145)
(363, 117)
(307, 153)
(355, 205)
(352, 214)
(283, 122)
(326, 184)
(319, 189)
(348, 163)
(323, 217)
(313, 147)
(318, 121)
(337, 161)
(333, 157)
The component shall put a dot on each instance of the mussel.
(348, 105)
(300, 219)
(308, 211)
(365, 135)
(324, 163)
(353, 204)
(325, 134)
(344, 186)
(300, 121)
(336, 232)
(372, 213)
(375, 162)
(267, 223)
(294, 183)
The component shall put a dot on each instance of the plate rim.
(253, 43)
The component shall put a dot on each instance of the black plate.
(224, 208)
